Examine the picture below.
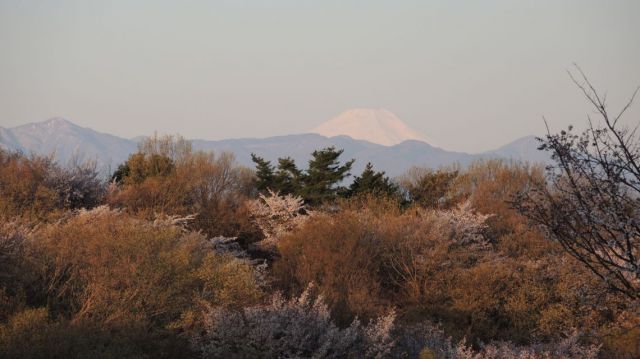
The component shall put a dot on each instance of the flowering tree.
(78, 186)
(296, 328)
(592, 204)
(462, 224)
(276, 215)
(438, 345)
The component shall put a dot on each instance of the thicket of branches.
(591, 204)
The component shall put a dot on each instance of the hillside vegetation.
(185, 254)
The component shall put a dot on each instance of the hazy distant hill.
(392, 159)
(66, 140)
(524, 148)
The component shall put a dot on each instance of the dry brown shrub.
(23, 186)
(366, 258)
(34, 333)
(500, 279)
(104, 265)
(212, 187)
(36, 188)
(339, 255)
(430, 188)
(492, 186)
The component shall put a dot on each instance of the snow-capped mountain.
(374, 125)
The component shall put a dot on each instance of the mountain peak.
(58, 122)
(374, 125)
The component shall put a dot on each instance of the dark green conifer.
(373, 182)
(287, 177)
(323, 178)
(265, 179)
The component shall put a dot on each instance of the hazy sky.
(472, 75)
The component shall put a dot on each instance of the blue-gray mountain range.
(65, 141)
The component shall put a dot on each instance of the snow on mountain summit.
(374, 125)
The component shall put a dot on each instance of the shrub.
(342, 257)
(78, 186)
(13, 271)
(429, 188)
(296, 328)
(33, 333)
(362, 259)
(483, 276)
(277, 215)
(428, 341)
(30, 334)
(104, 265)
(36, 187)
(567, 348)
(166, 176)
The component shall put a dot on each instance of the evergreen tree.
(321, 181)
(373, 182)
(287, 179)
(121, 173)
(265, 178)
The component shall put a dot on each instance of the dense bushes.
(37, 187)
(167, 176)
(101, 275)
(13, 272)
(297, 328)
(363, 260)
(478, 268)
(33, 333)
(342, 258)
(142, 271)
(104, 265)
(429, 188)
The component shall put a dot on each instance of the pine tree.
(287, 179)
(123, 171)
(373, 182)
(265, 178)
(321, 181)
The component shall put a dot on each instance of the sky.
(472, 75)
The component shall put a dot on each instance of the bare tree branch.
(591, 204)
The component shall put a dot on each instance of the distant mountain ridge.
(65, 140)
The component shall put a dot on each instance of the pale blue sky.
(472, 75)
